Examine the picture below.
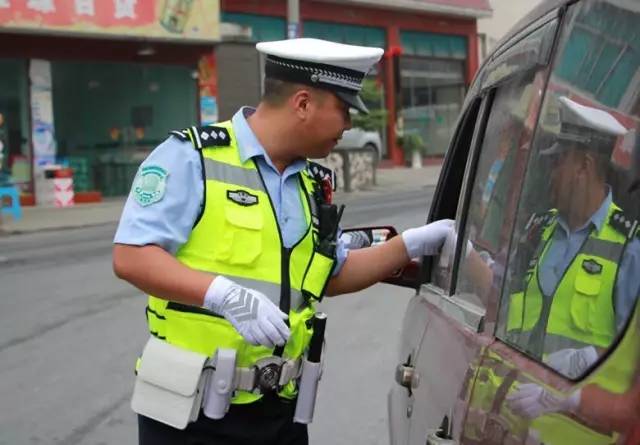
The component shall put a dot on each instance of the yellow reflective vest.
(237, 236)
(581, 310)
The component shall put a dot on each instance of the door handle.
(407, 376)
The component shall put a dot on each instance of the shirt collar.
(599, 218)
(249, 146)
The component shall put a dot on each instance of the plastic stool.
(14, 209)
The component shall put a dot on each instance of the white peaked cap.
(322, 64)
(353, 57)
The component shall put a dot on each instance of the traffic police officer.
(227, 230)
(583, 281)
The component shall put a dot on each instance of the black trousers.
(268, 421)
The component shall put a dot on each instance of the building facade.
(431, 53)
(96, 84)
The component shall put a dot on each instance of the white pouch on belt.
(170, 383)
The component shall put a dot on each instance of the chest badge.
(592, 266)
(241, 197)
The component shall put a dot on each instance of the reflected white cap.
(592, 127)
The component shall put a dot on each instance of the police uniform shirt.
(168, 222)
(564, 246)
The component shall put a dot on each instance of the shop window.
(341, 33)
(573, 273)
(426, 44)
(109, 116)
(263, 28)
(15, 152)
(432, 92)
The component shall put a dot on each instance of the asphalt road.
(70, 333)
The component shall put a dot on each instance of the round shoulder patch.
(149, 185)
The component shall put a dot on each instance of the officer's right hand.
(253, 315)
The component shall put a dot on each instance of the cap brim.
(353, 100)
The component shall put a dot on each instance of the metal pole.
(293, 19)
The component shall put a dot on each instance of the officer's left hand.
(530, 401)
(251, 312)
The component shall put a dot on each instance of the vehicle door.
(450, 321)
(531, 386)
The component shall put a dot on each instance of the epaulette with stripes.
(540, 220)
(627, 227)
(204, 137)
(535, 226)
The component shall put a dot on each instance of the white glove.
(253, 315)
(572, 362)
(449, 247)
(531, 401)
(426, 240)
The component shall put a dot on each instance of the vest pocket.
(240, 242)
(317, 275)
(584, 304)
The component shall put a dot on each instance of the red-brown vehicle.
(470, 370)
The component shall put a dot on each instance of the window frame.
(485, 94)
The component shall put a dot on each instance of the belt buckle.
(267, 374)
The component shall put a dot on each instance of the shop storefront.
(432, 86)
(95, 86)
(430, 54)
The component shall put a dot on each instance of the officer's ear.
(301, 103)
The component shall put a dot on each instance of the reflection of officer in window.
(584, 275)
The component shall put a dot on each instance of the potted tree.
(413, 146)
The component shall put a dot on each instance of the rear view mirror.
(361, 237)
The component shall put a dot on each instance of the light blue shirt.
(564, 246)
(168, 222)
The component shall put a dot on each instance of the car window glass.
(573, 273)
(524, 56)
(497, 179)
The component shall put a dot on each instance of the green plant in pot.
(413, 146)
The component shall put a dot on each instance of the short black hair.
(277, 91)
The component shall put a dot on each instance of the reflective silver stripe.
(230, 174)
(272, 291)
(607, 250)
(196, 136)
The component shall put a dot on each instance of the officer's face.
(569, 180)
(328, 118)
